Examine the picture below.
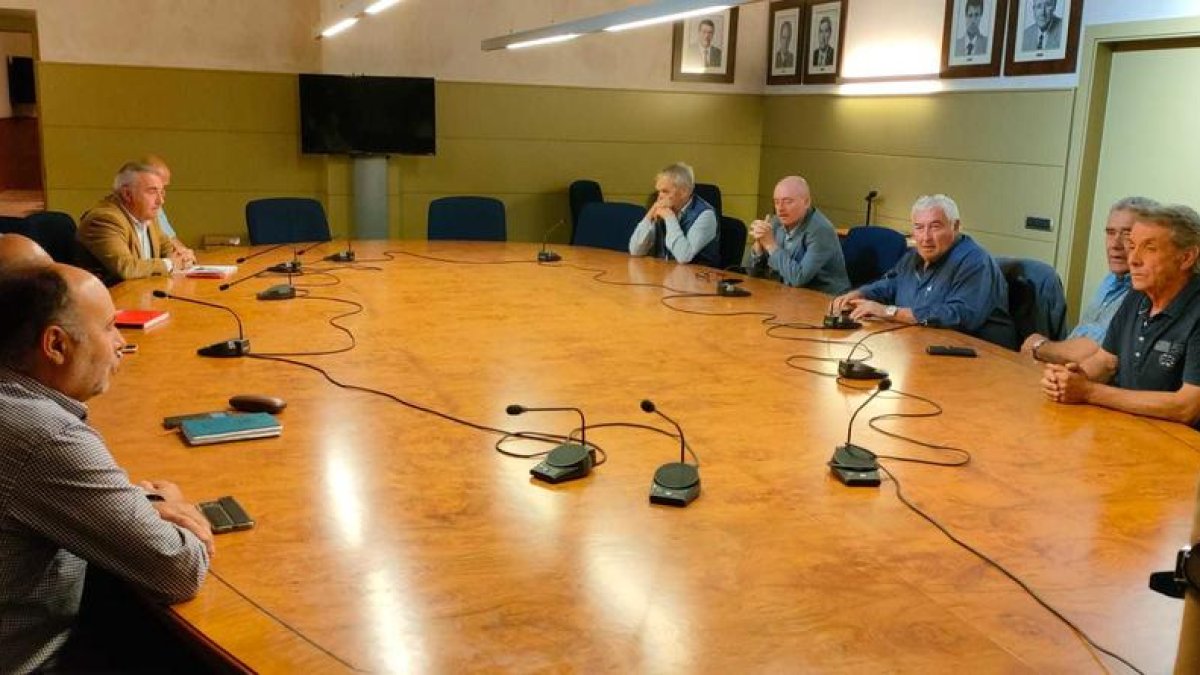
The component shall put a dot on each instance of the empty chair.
(581, 193)
(607, 225)
(286, 220)
(467, 218)
(871, 251)
(711, 194)
(54, 231)
(1036, 299)
(733, 242)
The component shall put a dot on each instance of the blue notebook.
(219, 429)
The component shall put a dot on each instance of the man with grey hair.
(1045, 31)
(1087, 337)
(122, 230)
(679, 225)
(798, 245)
(1149, 363)
(947, 281)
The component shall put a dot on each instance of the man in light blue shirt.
(798, 245)
(1093, 321)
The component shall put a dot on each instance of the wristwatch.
(1187, 568)
(890, 311)
(1036, 346)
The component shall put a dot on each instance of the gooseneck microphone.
(855, 465)
(841, 320)
(258, 253)
(226, 348)
(342, 256)
(545, 255)
(568, 461)
(675, 483)
(870, 201)
(850, 369)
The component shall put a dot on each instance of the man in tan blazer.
(122, 230)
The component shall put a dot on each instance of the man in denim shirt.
(798, 245)
(1093, 322)
(947, 281)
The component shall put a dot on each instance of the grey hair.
(681, 175)
(1182, 221)
(940, 202)
(129, 172)
(1134, 204)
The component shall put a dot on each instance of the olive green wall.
(1000, 155)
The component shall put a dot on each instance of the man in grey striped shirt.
(64, 502)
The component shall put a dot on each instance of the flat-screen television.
(341, 114)
(20, 80)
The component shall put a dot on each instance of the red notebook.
(140, 318)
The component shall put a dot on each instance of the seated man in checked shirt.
(64, 502)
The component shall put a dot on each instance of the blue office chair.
(580, 194)
(870, 251)
(54, 231)
(1036, 299)
(467, 218)
(607, 225)
(711, 194)
(733, 242)
(286, 220)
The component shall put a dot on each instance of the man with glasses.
(947, 281)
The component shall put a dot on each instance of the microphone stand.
(854, 465)
(675, 483)
(568, 461)
(257, 253)
(226, 348)
(545, 255)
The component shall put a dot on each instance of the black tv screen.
(20, 80)
(342, 114)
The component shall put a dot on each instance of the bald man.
(65, 504)
(20, 252)
(160, 165)
(798, 245)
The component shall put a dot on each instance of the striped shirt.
(65, 503)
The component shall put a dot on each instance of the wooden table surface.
(392, 540)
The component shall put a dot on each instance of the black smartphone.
(945, 350)
(226, 515)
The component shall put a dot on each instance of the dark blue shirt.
(964, 290)
(1160, 352)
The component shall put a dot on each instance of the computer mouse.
(257, 403)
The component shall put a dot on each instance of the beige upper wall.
(255, 35)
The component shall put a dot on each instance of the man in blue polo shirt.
(1149, 363)
(1087, 337)
(947, 280)
(679, 225)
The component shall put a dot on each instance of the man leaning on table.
(947, 280)
(679, 225)
(122, 230)
(66, 508)
(1087, 337)
(798, 245)
(1149, 363)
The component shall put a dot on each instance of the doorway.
(22, 187)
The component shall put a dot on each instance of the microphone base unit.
(290, 267)
(675, 484)
(729, 288)
(341, 256)
(226, 349)
(548, 256)
(857, 370)
(840, 322)
(568, 461)
(854, 466)
(279, 292)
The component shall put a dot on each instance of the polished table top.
(389, 539)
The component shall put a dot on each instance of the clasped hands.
(1065, 384)
(763, 234)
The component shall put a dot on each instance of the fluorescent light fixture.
(667, 19)
(646, 14)
(379, 6)
(891, 88)
(553, 39)
(339, 27)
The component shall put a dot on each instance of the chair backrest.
(711, 194)
(467, 218)
(55, 232)
(13, 225)
(870, 251)
(607, 225)
(286, 220)
(581, 193)
(1036, 299)
(733, 242)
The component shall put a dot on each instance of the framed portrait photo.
(826, 29)
(1043, 36)
(973, 38)
(785, 43)
(704, 48)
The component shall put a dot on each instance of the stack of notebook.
(220, 428)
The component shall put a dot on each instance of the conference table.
(391, 535)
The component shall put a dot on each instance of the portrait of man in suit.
(823, 57)
(1044, 31)
(784, 62)
(972, 41)
(705, 54)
